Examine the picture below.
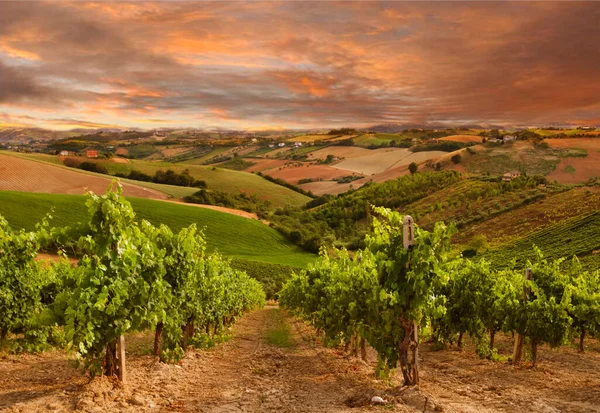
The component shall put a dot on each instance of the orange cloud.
(19, 53)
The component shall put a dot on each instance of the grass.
(205, 157)
(569, 169)
(224, 180)
(259, 153)
(278, 332)
(233, 236)
(376, 139)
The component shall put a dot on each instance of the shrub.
(93, 167)
(72, 162)
(413, 167)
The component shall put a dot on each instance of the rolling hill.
(221, 179)
(233, 236)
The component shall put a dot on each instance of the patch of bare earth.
(17, 174)
(577, 170)
(246, 374)
(238, 212)
(563, 380)
(462, 138)
(297, 171)
(261, 165)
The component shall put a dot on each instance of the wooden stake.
(519, 339)
(121, 359)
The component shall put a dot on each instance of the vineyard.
(132, 276)
(399, 290)
(576, 236)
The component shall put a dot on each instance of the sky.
(275, 65)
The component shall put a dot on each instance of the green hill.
(578, 236)
(233, 236)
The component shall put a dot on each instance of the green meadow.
(233, 236)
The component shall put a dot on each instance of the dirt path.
(238, 212)
(275, 364)
(246, 374)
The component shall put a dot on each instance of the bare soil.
(462, 138)
(249, 374)
(295, 172)
(17, 174)
(577, 170)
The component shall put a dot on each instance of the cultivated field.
(462, 138)
(261, 165)
(219, 179)
(573, 170)
(530, 218)
(17, 174)
(383, 159)
(295, 172)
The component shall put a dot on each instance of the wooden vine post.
(409, 346)
(121, 372)
(519, 338)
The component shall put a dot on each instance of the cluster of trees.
(168, 177)
(243, 201)
(389, 292)
(85, 165)
(446, 146)
(342, 131)
(343, 220)
(132, 276)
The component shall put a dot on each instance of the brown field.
(340, 152)
(122, 151)
(18, 174)
(381, 160)
(261, 165)
(330, 187)
(176, 151)
(584, 168)
(293, 174)
(462, 138)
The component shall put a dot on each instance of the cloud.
(300, 64)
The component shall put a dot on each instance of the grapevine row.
(386, 294)
(132, 276)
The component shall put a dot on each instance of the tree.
(456, 158)
(413, 167)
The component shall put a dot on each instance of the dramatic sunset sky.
(298, 64)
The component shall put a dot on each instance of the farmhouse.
(281, 144)
(509, 138)
(509, 176)
(91, 154)
(65, 153)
